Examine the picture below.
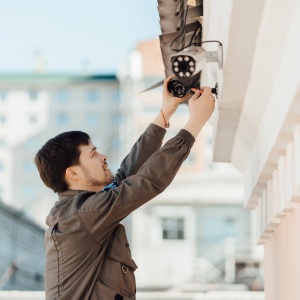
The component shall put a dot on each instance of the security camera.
(192, 60)
(189, 61)
(179, 90)
(187, 65)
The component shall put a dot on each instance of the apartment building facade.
(35, 107)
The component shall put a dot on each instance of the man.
(87, 252)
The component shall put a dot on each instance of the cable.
(182, 27)
(182, 32)
(212, 41)
(195, 35)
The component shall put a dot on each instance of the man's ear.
(72, 173)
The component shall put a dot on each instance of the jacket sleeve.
(101, 212)
(149, 142)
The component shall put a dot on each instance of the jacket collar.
(61, 207)
(65, 195)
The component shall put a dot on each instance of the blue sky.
(71, 32)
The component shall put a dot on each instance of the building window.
(32, 144)
(32, 119)
(115, 96)
(172, 228)
(2, 119)
(115, 143)
(62, 118)
(209, 141)
(28, 166)
(62, 96)
(30, 191)
(92, 96)
(190, 160)
(3, 95)
(32, 95)
(92, 119)
(117, 119)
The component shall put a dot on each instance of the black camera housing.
(179, 87)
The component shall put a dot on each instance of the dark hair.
(57, 155)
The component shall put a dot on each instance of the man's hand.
(169, 102)
(169, 105)
(201, 108)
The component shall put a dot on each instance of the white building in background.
(36, 107)
(197, 231)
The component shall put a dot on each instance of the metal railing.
(217, 263)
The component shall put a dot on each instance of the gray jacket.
(87, 252)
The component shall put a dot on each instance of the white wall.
(258, 124)
(282, 260)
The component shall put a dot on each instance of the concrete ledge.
(222, 295)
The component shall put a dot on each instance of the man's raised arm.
(151, 140)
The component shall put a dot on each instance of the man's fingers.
(196, 95)
(167, 80)
(206, 90)
(184, 98)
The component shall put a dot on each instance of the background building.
(21, 252)
(197, 232)
(35, 107)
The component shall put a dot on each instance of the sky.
(71, 34)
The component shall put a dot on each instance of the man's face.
(94, 168)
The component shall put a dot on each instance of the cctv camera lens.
(186, 58)
(180, 58)
(184, 67)
(176, 88)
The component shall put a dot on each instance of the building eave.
(258, 105)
